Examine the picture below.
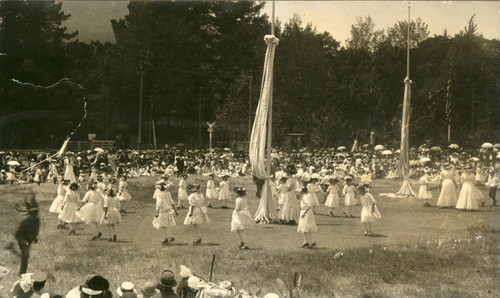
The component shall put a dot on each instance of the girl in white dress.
(111, 215)
(290, 210)
(242, 219)
(424, 192)
(469, 194)
(68, 172)
(101, 186)
(69, 207)
(307, 222)
(370, 211)
(11, 175)
(92, 212)
(211, 193)
(53, 174)
(224, 191)
(123, 194)
(38, 176)
(56, 205)
(333, 198)
(165, 211)
(197, 212)
(448, 195)
(313, 188)
(349, 193)
(182, 193)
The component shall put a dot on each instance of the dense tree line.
(204, 60)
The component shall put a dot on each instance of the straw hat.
(126, 287)
(149, 289)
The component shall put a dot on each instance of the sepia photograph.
(249, 149)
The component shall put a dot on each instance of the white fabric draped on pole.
(260, 138)
(404, 161)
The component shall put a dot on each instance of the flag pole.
(270, 113)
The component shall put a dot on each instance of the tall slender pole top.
(272, 23)
(408, 46)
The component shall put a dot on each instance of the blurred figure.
(27, 232)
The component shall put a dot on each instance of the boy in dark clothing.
(27, 232)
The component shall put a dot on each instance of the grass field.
(415, 251)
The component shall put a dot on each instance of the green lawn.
(415, 251)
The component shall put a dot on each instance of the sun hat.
(194, 282)
(126, 287)
(95, 285)
(167, 279)
(149, 289)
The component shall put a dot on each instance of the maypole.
(260, 140)
(406, 189)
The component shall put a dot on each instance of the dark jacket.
(29, 228)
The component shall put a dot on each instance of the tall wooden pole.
(199, 118)
(408, 46)
(250, 109)
(139, 134)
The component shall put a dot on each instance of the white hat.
(126, 287)
(271, 295)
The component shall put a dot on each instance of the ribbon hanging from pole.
(260, 138)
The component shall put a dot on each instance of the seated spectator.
(166, 283)
(30, 285)
(148, 290)
(95, 286)
(126, 287)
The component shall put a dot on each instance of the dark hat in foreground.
(167, 279)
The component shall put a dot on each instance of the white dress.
(290, 208)
(71, 203)
(92, 211)
(113, 215)
(124, 195)
(182, 193)
(211, 193)
(349, 193)
(367, 202)
(424, 193)
(197, 210)
(312, 189)
(307, 222)
(448, 195)
(165, 217)
(469, 194)
(68, 173)
(56, 205)
(242, 219)
(38, 175)
(224, 192)
(333, 200)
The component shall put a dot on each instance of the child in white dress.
(349, 193)
(92, 212)
(448, 195)
(370, 211)
(224, 191)
(197, 212)
(333, 198)
(211, 193)
(69, 207)
(307, 222)
(123, 194)
(38, 176)
(56, 205)
(424, 192)
(165, 211)
(242, 219)
(469, 195)
(111, 215)
(313, 189)
(182, 193)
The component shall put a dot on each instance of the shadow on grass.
(123, 241)
(378, 236)
(329, 224)
(208, 244)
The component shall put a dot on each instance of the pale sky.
(92, 18)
